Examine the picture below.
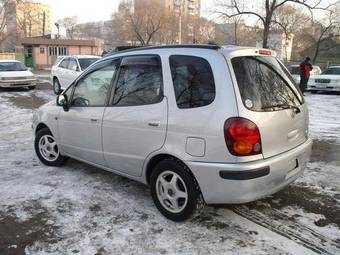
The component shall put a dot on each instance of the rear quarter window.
(193, 81)
(264, 84)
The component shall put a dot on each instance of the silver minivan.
(199, 124)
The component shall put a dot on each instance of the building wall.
(43, 57)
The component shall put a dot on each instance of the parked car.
(197, 123)
(67, 68)
(294, 70)
(329, 80)
(14, 74)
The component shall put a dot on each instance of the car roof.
(227, 50)
(84, 56)
(333, 67)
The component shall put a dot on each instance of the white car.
(66, 69)
(14, 74)
(329, 80)
(198, 123)
(294, 70)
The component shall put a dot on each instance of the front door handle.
(94, 120)
(154, 124)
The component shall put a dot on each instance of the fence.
(7, 56)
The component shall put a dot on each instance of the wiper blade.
(283, 106)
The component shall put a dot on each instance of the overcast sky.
(94, 10)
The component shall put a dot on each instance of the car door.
(80, 128)
(134, 124)
(61, 72)
(72, 71)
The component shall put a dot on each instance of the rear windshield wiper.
(283, 106)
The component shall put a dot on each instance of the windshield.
(294, 69)
(12, 66)
(332, 70)
(264, 84)
(86, 62)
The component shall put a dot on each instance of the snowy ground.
(79, 209)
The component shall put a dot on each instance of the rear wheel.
(56, 86)
(174, 190)
(47, 148)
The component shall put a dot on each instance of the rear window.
(86, 62)
(193, 81)
(294, 69)
(332, 70)
(264, 84)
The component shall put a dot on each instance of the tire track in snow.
(293, 231)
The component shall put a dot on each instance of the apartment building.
(32, 19)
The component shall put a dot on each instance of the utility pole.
(44, 22)
(179, 2)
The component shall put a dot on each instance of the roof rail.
(137, 48)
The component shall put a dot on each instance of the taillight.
(242, 137)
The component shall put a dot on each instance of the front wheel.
(47, 148)
(175, 191)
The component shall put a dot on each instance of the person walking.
(304, 69)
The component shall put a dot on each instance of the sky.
(94, 10)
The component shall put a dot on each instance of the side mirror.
(60, 91)
(62, 100)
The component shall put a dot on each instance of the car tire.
(56, 86)
(314, 91)
(47, 149)
(175, 191)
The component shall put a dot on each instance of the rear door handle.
(94, 120)
(154, 124)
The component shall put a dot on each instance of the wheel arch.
(155, 159)
(40, 126)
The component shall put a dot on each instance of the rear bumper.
(244, 182)
(324, 88)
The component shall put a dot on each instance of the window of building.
(193, 81)
(57, 51)
(140, 81)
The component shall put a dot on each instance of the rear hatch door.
(271, 100)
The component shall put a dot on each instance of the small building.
(42, 52)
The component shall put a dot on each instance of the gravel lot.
(80, 209)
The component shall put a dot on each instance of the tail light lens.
(242, 137)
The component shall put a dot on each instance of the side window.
(139, 82)
(73, 65)
(64, 63)
(92, 89)
(193, 81)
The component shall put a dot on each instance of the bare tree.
(7, 9)
(266, 10)
(69, 23)
(325, 34)
(143, 21)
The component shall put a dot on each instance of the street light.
(57, 26)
